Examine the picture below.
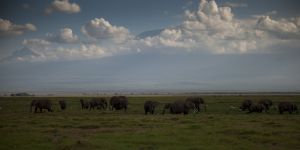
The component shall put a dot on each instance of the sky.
(141, 45)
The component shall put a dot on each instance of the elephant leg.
(153, 111)
(35, 109)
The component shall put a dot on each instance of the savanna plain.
(222, 126)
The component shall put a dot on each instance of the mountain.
(23, 53)
(149, 33)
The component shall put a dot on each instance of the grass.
(221, 127)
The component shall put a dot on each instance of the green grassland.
(222, 126)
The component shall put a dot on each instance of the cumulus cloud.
(35, 42)
(280, 28)
(8, 28)
(52, 52)
(214, 29)
(168, 38)
(63, 6)
(233, 5)
(210, 28)
(101, 29)
(66, 35)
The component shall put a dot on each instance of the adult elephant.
(99, 103)
(198, 102)
(246, 104)
(84, 104)
(118, 103)
(256, 108)
(149, 106)
(287, 106)
(41, 104)
(180, 107)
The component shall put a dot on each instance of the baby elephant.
(62, 104)
(287, 106)
(41, 104)
(149, 106)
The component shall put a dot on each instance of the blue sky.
(191, 45)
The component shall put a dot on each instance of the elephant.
(41, 104)
(100, 103)
(149, 106)
(287, 106)
(267, 103)
(62, 104)
(167, 106)
(84, 104)
(179, 107)
(246, 104)
(256, 108)
(198, 101)
(118, 103)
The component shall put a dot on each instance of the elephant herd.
(177, 107)
(190, 104)
(265, 104)
(115, 103)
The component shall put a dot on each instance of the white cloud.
(214, 29)
(54, 52)
(297, 21)
(66, 35)
(102, 30)
(210, 28)
(35, 42)
(63, 6)
(168, 38)
(8, 28)
(280, 28)
(233, 5)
